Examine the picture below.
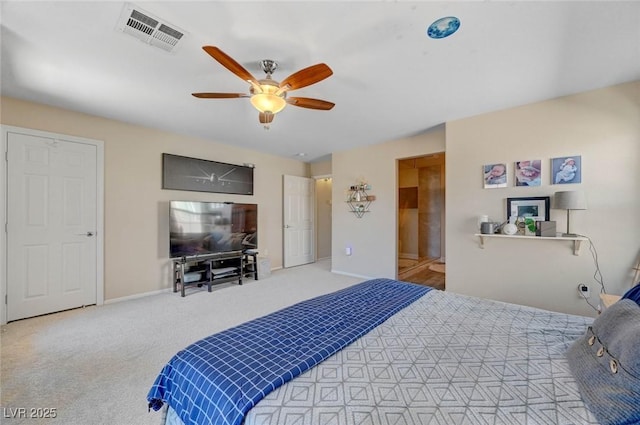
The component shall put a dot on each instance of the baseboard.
(135, 296)
(351, 274)
(408, 256)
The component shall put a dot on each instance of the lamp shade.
(570, 200)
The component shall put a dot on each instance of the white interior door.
(52, 208)
(299, 201)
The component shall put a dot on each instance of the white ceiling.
(390, 80)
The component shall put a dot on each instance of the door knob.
(88, 234)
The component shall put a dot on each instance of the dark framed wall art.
(536, 207)
(200, 175)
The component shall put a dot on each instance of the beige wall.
(321, 170)
(408, 218)
(136, 208)
(323, 217)
(604, 127)
(373, 238)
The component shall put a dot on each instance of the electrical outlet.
(583, 290)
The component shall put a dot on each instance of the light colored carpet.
(95, 365)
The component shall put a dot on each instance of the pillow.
(605, 362)
(633, 294)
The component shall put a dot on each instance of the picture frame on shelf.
(535, 207)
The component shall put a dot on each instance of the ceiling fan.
(267, 95)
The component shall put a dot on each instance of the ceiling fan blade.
(266, 117)
(305, 102)
(219, 95)
(306, 77)
(226, 61)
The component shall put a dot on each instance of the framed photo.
(494, 175)
(528, 172)
(566, 169)
(200, 175)
(536, 207)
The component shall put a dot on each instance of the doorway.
(323, 217)
(421, 219)
(299, 220)
(307, 206)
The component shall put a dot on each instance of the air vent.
(149, 29)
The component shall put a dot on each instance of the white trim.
(99, 221)
(99, 144)
(136, 296)
(361, 276)
(3, 223)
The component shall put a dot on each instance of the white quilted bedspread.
(445, 359)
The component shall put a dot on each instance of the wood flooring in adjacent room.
(419, 272)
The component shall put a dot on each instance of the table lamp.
(569, 200)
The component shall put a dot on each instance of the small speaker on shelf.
(546, 228)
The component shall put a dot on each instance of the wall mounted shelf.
(359, 200)
(577, 240)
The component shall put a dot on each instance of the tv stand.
(206, 269)
(250, 263)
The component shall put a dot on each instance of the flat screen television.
(199, 228)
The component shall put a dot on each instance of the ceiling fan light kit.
(267, 95)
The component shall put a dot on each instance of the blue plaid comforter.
(219, 378)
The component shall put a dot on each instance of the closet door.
(52, 208)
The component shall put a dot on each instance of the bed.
(391, 352)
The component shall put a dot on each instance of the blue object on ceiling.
(443, 27)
